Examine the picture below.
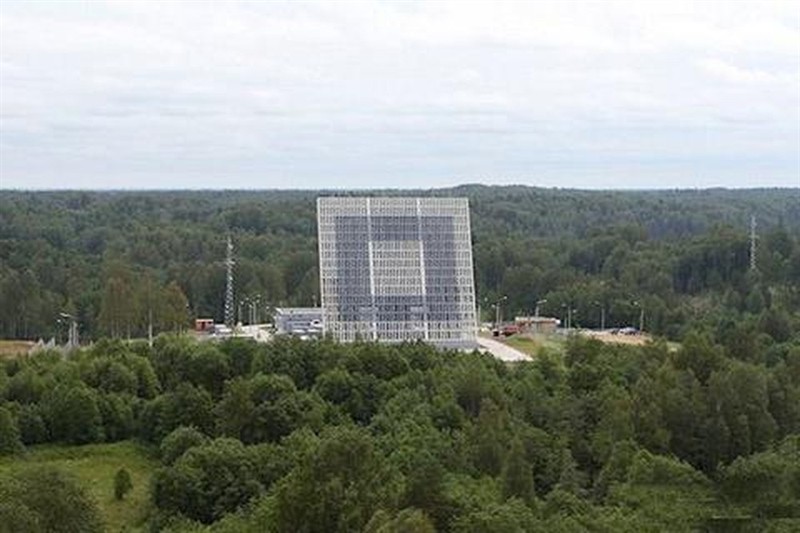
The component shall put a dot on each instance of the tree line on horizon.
(119, 261)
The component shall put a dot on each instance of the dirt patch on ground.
(11, 348)
(637, 339)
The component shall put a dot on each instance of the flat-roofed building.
(397, 269)
(299, 321)
(536, 324)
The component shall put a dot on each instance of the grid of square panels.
(397, 269)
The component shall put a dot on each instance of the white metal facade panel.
(397, 269)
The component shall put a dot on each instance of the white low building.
(298, 321)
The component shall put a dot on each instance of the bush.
(176, 443)
(10, 442)
(208, 481)
(48, 500)
(122, 484)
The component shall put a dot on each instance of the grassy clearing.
(94, 466)
(532, 345)
(523, 344)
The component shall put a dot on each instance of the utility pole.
(602, 315)
(244, 302)
(229, 306)
(753, 239)
(481, 303)
(150, 327)
(150, 312)
(641, 315)
(497, 315)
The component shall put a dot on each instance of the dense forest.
(317, 436)
(114, 259)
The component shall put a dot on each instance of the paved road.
(502, 351)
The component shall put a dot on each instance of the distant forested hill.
(109, 257)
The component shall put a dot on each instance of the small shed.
(536, 324)
(204, 325)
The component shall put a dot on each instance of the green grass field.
(532, 345)
(94, 466)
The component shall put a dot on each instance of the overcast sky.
(373, 94)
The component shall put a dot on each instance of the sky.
(261, 95)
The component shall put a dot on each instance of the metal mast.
(229, 307)
(753, 242)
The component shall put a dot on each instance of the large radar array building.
(397, 269)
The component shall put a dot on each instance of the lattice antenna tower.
(753, 239)
(229, 307)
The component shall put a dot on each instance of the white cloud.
(175, 93)
(734, 74)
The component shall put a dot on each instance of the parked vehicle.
(510, 329)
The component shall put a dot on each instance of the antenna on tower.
(229, 262)
(753, 239)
